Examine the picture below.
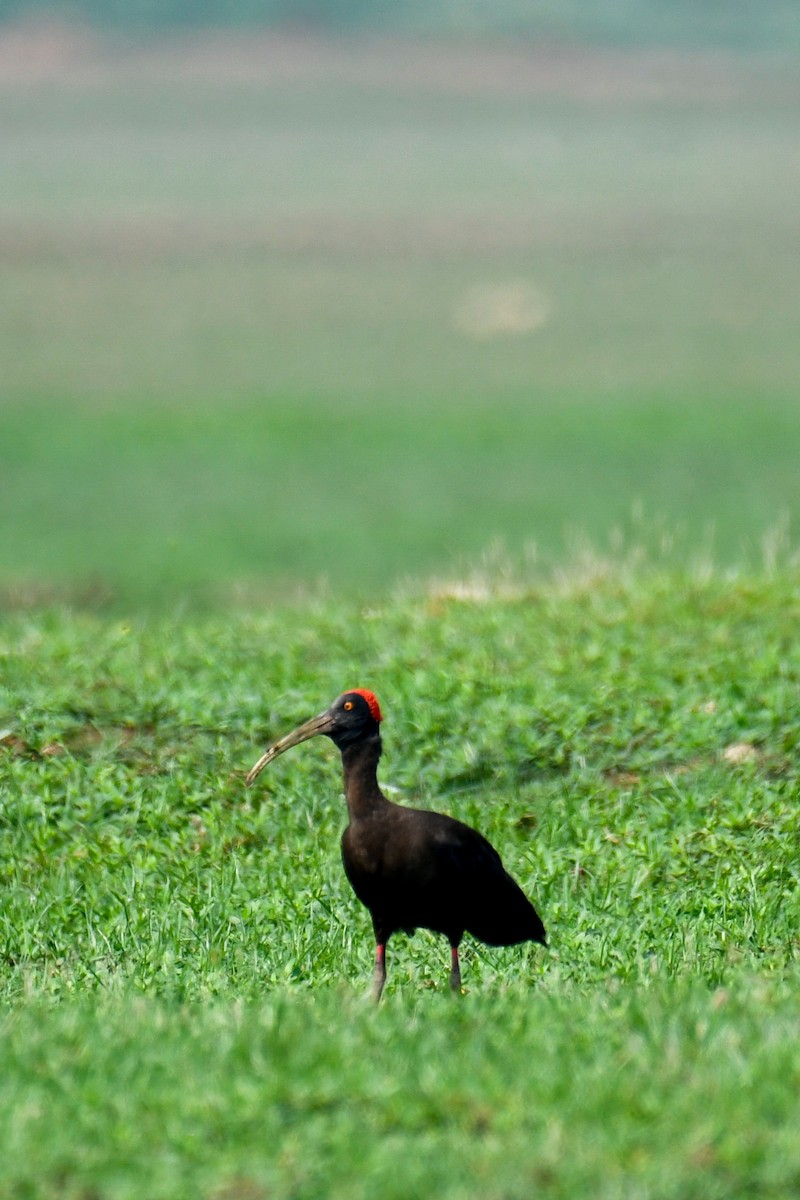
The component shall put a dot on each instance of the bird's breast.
(364, 847)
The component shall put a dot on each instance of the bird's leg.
(379, 978)
(455, 970)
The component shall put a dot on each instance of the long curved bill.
(321, 724)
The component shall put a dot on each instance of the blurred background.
(296, 295)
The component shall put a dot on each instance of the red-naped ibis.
(410, 867)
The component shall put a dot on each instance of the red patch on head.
(372, 701)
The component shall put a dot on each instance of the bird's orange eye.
(348, 704)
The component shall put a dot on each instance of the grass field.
(185, 970)
(469, 374)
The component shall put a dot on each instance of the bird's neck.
(360, 764)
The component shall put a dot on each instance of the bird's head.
(353, 716)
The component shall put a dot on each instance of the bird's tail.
(512, 921)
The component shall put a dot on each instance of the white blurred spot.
(498, 310)
(739, 752)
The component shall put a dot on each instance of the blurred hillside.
(281, 307)
(732, 24)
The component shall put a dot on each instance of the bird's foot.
(379, 977)
(455, 972)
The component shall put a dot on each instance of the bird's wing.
(463, 853)
(493, 906)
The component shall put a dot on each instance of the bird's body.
(416, 869)
(413, 868)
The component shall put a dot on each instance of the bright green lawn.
(185, 969)
(673, 1091)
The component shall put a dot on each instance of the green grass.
(192, 508)
(185, 969)
(677, 1092)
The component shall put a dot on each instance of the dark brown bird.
(410, 867)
